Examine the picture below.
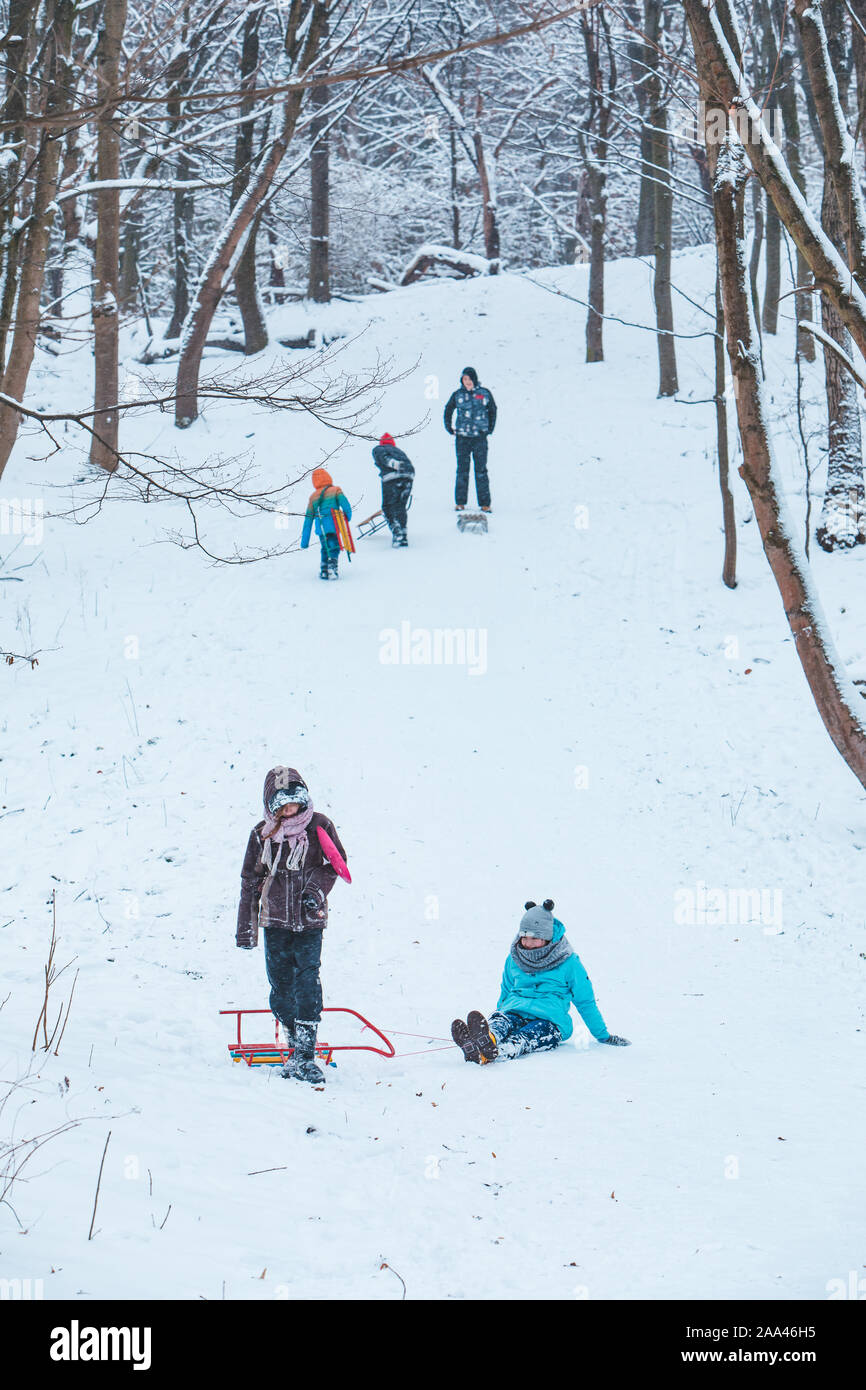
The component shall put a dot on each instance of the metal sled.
(472, 521)
(275, 1054)
(371, 524)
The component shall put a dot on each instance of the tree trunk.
(245, 279)
(594, 139)
(248, 297)
(598, 223)
(786, 90)
(858, 43)
(773, 281)
(183, 205)
(56, 80)
(455, 205)
(488, 197)
(729, 517)
(757, 243)
(640, 58)
(663, 206)
(277, 277)
(842, 515)
(645, 230)
(834, 695)
(132, 232)
(106, 290)
(319, 283)
(17, 57)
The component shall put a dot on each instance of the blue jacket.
(550, 993)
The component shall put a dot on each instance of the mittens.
(614, 1041)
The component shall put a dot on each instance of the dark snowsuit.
(476, 419)
(397, 475)
(291, 907)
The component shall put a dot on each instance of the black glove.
(449, 429)
(613, 1041)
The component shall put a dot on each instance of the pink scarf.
(288, 828)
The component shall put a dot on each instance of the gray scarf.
(540, 957)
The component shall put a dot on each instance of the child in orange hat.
(324, 501)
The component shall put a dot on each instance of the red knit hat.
(322, 478)
(387, 439)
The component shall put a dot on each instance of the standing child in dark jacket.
(476, 419)
(542, 979)
(324, 501)
(285, 882)
(397, 474)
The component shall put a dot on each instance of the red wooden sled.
(275, 1055)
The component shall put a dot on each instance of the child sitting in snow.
(542, 977)
(324, 501)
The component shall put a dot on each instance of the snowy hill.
(629, 737)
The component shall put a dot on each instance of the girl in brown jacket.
(285, 882)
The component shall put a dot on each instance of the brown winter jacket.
(294, 900)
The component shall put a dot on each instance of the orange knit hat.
(322, 478)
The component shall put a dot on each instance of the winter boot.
(467, 1045)
(288, 1045)
(480, 1033)
(302, 1066)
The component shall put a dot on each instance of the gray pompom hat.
(538, 921)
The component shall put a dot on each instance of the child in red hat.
(397, 474)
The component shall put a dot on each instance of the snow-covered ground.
(629, 738)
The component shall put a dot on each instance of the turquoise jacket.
(320, 510)
(551, 993)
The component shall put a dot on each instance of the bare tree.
(319, 281)
(246, 283)
(106, 288)
(660, 149)
(594, 142)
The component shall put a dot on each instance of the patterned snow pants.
(469, 447)
(518, 1034)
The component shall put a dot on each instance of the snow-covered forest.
(246, 249)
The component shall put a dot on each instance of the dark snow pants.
(395, 500)
(517, 1034)
(292, 961)
(330, 554)
(469, 447)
